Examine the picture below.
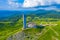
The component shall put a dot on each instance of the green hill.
(9, 26)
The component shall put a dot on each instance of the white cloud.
(30, 3)
(33, 3)
(13, 4)
(57, 1)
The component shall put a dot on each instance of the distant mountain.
(47, 14)
(12, 18)
(15, 15)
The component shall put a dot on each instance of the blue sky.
(20, 4)
(28, 5)
(4, 4)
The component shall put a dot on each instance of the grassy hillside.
(9, 28)
(47, 33)
(14, 24)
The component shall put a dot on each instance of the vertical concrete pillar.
(24, 21)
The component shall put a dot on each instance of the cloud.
(57, 1)
(33, 3)
(14, 3)
(27, 4)
(30, 3)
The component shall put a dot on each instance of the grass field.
(8, 28)
(49, 32)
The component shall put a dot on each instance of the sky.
(21, 4)
(28, 5)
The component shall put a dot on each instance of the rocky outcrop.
(18, 36)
